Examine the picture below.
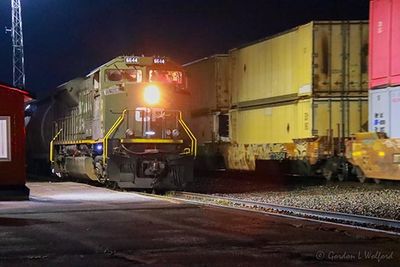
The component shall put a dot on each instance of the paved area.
(69, 224)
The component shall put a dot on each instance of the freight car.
(377, 154)
(292, 99)
(209, 113)
(122, 125)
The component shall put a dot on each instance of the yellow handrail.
(190, 134)
(116, 124)
(51, 145)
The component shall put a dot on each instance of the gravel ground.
(369, 199)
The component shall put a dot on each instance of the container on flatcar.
(209, 87)
(384, 70)
(377, 154)
(317, 59)
(299, 94)
(309, 128)
(384, 109)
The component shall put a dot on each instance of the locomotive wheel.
(341, 177)
(112, 185)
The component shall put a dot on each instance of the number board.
(132, 60)
(159, 60)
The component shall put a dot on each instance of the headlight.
(98, 148)
(152, 94)
(175, 132)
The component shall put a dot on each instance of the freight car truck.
(292, 99)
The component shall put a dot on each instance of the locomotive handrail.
(193, 148)
(193, 139)
(116, 124)
(121, 118)
(51, 145)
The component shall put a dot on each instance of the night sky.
(65, 39)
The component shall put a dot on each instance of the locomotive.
(121, 125)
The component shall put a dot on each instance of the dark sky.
(67, 38)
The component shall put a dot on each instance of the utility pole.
(18, 44)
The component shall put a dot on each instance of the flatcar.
(121, 125)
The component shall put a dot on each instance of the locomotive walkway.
(69, 224)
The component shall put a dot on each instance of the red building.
(12, 143)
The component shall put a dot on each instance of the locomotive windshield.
(127, 75)
(165, 76)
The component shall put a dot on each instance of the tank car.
(122, 125)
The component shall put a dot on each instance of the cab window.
(165, 76)
(123, 75)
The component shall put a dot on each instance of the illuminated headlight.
(152, 94)
(175, 132)
(98, 148)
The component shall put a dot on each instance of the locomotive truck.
(121, 125)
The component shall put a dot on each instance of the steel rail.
(367, 222)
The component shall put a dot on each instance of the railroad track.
(350, 220)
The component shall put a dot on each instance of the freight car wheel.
(360, 175)
(343, 174)
(327, 173)
(377, 181)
